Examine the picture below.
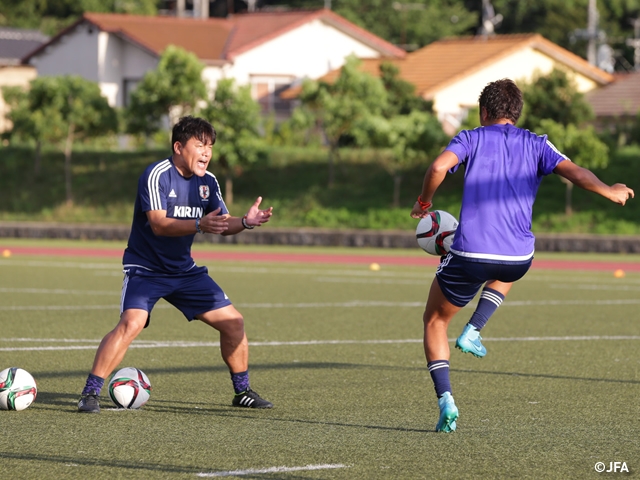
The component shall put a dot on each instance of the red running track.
(317, 258)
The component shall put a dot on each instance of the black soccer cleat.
(250, 399)
(89, 404)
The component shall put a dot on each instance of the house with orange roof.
(452, 72)
(267, 50)
(617, 105)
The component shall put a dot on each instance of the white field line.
(16, 308)
(633, 288)
(361, 272)
(44, 263)
(351, 270)
(385, 281)
(58, 291)
(605, 277)
(521, 303)
(255, 471)
(184, 344)
(351, 304)
(426, 272)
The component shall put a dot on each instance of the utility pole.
(489, 19)
(180, 8)
(403, 8)
(592, 32)
(201, 9)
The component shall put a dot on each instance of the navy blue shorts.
(461, 279)
(192, 293)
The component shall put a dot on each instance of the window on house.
(266, 91)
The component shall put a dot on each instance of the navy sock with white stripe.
(240, 381)
(490, 300)
(439, 370)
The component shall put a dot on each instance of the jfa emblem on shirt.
(204, 191)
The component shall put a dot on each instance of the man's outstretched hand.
(255, 216)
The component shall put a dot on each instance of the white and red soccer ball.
(436, 231)
(129, 388)
(18, 389)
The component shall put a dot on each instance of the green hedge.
(294, 182)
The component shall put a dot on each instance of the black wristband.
(246, 225)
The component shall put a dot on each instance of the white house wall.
(13, 76)
(101, 57)
(109, 67)
(310, 50)
(136, 61)
(118, 61)
(452, 102)
(212, 74)
(73, 54)
(132, 64)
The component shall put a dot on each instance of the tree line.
(381, 113)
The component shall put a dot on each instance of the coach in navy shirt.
(493, 244)
(178, 198)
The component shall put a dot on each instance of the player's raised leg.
(234, 348)
(437, 315)
(491, 298)
(110, 353)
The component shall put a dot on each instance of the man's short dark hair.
(502, 99)
(192, 127)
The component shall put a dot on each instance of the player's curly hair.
(193, 127)
(502, 99)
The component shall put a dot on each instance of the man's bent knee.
(233, 325)
(225, 320)
(132, 322)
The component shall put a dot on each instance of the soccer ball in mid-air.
(17, 389)
(435, 232)
(129, 388)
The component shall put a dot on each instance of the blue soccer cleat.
(469, 342)
(448, 414)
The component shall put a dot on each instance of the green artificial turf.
(337, 348)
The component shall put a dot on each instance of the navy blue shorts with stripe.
(193, 292)
(460, 279)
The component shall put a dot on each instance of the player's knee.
(232, 326)
(131, 325)
(235, 324)
(434, 319)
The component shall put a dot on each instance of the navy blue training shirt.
(161, 187)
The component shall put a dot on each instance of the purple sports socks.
(240, 382)
(94, 385)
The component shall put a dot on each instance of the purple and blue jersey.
(161, 187)
(504, 166)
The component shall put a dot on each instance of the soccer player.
(178, 198)
(493, 245)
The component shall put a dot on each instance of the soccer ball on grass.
(129, 388)
(17, 389)
(435, 232)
